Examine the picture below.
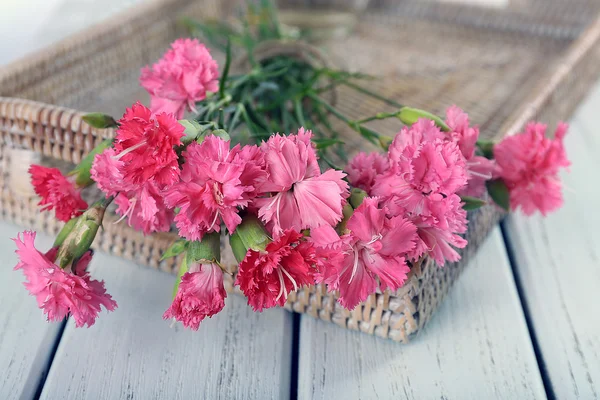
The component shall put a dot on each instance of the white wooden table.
(521, 323)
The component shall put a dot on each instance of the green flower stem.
(373, 94)
(378, 116)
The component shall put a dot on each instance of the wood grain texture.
(475, 347)
(132, 353)
(26, 339)
(558, 262)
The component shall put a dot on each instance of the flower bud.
(411, 115)
(357, 196)
(83, 232)
(100, 121)
(347, 212)
(250, 234)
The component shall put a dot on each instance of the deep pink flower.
(58, 192)
(59, 292)
(182, 77)
(302, 197)
(363, 169)
(144, 209)
(216, 182)
(201, 294)
(145, 143)
(529, 164)
(375, 247)
(479, 168)
(268, 277)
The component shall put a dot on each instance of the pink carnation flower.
(107, 172)
(201, 294)
(363, 169)
(438, 230)
(479, 168)
(59, 292)
(529, 164)
(421, 167)
(375, 248)
(427, 171)
(216, 182)
(144, 209)
(268, 277)
(181, 77)
(142, 205)
(58, 192)
(302, 197)
(145, 143)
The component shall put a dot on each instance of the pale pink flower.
(57, 192)
(216, 182)
(267, 278)
(301, 197)
(529, 164)
(59, 292)
(107, 172)
(144, 209)
(422, 131)
(479, 168)
(421, 169)
(146, 143)
(438, 230)
(201, 294)
(182, 77)
(375, 247)
(363, 169)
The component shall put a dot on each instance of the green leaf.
(472, 203)
(222, 133)
(82, 172)
(326, 142)
(192, 129)
(238, 247)
(225, 74)
(498, 191)
(487, 148)
(178, 247)
(100, 121)
(410, 115)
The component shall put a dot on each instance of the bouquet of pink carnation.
(292, 216)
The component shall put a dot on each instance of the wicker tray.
(533, 59)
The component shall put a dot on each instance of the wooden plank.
(476, 347)
(26, 339)
(133, 353)
(558, 263)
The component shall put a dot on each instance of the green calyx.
(249, 235)
(357, 196)
(205, 251)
